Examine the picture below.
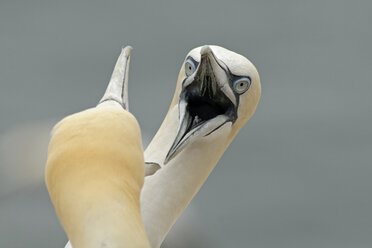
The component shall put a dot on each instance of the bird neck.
(94, 174)
(167, 193)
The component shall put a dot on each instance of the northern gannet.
(217, 92)
(95, 170)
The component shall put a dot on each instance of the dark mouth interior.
(203, 107)
(204, 101)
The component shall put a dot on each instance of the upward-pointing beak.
(203, 100)
(117, 89)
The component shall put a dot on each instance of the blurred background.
(299, 173)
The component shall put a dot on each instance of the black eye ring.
(189, 67)
(242, 85)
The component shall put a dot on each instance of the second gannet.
(95, 170)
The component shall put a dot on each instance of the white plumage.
(217, 92)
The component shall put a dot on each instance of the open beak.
(206, 102)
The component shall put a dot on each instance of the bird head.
(217, 92)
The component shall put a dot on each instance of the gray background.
(299, 173)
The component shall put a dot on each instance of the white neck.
(167, 193)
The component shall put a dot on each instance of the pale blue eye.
(189, 67)
(242, 85)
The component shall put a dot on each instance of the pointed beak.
(117, 89)
(203, 100)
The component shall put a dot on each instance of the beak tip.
(168, 157)
(205, 50)
(126, 51)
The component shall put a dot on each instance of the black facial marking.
(205, 100)
(193, 60)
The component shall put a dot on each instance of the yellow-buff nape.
(94, 175)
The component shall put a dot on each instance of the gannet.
(95, 170)
(217, 92)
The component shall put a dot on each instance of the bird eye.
(189, 67)
(242, 85)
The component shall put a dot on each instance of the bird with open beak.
(217, 92)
